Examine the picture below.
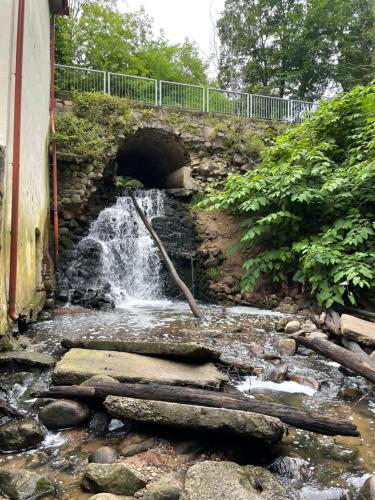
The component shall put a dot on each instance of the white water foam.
(131, 260)
(287, 386)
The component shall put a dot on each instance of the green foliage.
(78, 136)
(214, 273)
(128, 183)
(310, 205)
(97, 35)
(297, 47)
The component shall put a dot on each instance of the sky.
(179, 19)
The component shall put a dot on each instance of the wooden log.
(181, 285)
(353, 346)
(350, 360)
(332, 323)
(296, 417)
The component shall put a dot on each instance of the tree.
(296, 47)
(98, 36)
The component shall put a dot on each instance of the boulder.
(21, 435)
(80, 364)
(171, 350)
(294, 468)
(112, 478)
(168, 487)
(64, 413)
(367, 492)
(212, 480)
(22, 484)
(360, 330)
(109, 496)
(278, 374)
(26, 360)
(286, 347)
(318, 334)
(99, 379)
(196, 417)
(103, 455)
(292, 326)
(136, 442)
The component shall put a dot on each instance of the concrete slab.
(360, 330)
(80, 364)
(202, 418)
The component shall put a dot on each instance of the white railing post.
(203, 99)
(248, 105)
(109, 83)
(156, 92)
(208, 100)
(251, 106)
(160, 94)
(104, 82)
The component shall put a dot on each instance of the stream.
(311, 466)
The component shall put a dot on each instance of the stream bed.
(327, 467)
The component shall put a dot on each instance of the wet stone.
(168, 487)
(98, 423)
(194, 417)
(286, 347)
(292, 326)
(367, 492)
(99, 379)
(278, 374)
(305, 380)
(21, 435)
(64, 413)
(109, 496)
(26, 360)
(103, 455)
(112, 478)
(21, 484)
(136, 442)
(213, 480)
(293, 468)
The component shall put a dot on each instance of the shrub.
(310, 205)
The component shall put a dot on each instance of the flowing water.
(332, 467)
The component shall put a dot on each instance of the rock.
(22, 484)
(278, 374)
(99, 379)
(64, 413)
(98, 423)
(255, 350)
(281, 323)
(103, 455)
(367, 492)
(360, 330)
(169, 350)
(286, 347)
(196, 417)
(80, 364)
(109, 496)
(136, 442)
(21, 435)
(304, 380)
(294, 468)
(350, 393)
(112, 478)
(26, 360)
(292, 326)
(308, 326)
(212, 480)
(316, 335)
(168, 487)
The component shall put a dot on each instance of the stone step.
(199, 418)
(80, 364)
(360, 330)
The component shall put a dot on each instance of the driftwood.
(296, 417)
(181, 285)
(353, 346)
(350, 360)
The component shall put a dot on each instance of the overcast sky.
(179, 19)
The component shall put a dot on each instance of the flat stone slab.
(171, 350)
(360, 330)
(24, 360)
(203, 418)
(80, 364)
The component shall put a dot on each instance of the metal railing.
(181, 95)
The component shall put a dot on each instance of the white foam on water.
(287, 386)
(253, 311)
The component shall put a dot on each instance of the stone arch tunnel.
(156, 157)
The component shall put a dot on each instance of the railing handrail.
(254, 106)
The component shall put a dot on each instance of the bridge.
(196, 98)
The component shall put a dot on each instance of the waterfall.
(130, 260)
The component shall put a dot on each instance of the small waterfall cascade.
(130, 260)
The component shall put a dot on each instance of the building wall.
(34, 185)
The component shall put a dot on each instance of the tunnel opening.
(155, 157)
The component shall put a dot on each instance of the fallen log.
(172, 270)
(296, 417)
(332, 323)
(350, 360)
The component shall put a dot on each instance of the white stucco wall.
(34, 190)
